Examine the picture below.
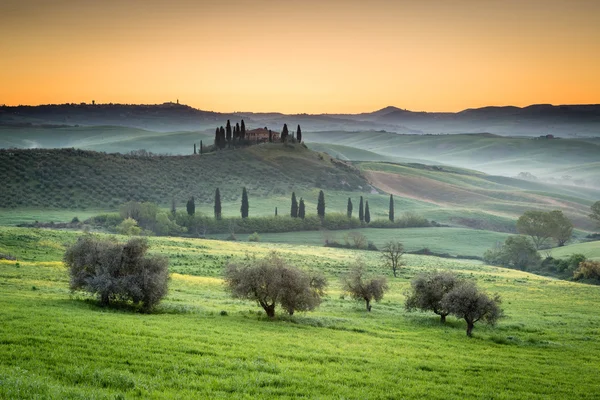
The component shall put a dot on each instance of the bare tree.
(391, 254)
(357, 285)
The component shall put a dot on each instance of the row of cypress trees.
(364, 214)
(229, 134)
(298, 209)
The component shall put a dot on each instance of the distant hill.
(534, 120)
(68, 178)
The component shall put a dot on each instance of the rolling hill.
(71, 178)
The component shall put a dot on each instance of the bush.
(516, 252)
(271, 281)
(427, 292)
(128, 227)
(357, 285)
(467, 302)
(117, 271)
(587, 270)
(254, 237)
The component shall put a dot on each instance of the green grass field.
(454, 241)
(55, 344)
(590, 250)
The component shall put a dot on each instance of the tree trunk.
(368, 305)
(394, 269)
(270, 310)
(470, 329)
(104, 299)
(443, 318)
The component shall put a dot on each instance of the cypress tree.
(284, 133)
(201, 147)
(222, 138)
(270, 136)
(245, 206)
(242, 130)
(173, 209)
(301, 209)
(294, 211)
(228, 131)
(321, 205)
(299, 134)
(218, 138)
(361, 210)
(191, 206)
(194, 148)
(217, 204)
(391, 212)
(367, 213)
(275, 211)
(236, 131)
(349, 208)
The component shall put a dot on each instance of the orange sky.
(301, 55)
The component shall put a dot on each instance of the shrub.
(427, 292)
(356, 240)
(129, 227)
(587, 270)
(357, 285)
(254, 237)
(117, 271)
(516, 252)
(466, 301)
(271, 281)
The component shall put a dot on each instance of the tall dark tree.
(321, 204)
(201, 147)
(173, 208)
(217, 204)
(236, 131)
(294, 210)
(361, 210)
(284, 133)
(194, 148)
(245, 206)
(222, 137)
(301, 209)
(299, 134)
(367, 213)
(218, 138)
(270, 136)
(243, 130)
(191, 206)
(391, 212)
(349, 208)
(275, 211)
(228, 131)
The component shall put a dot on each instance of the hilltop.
(69, 178)
(534, 120)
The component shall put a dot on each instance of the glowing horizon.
(301, 57)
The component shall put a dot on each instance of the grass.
(590, 250)
(55, 344)
(454, 241)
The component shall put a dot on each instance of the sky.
(301, 56)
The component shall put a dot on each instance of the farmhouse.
(262, 135)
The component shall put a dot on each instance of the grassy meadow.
(57, 344)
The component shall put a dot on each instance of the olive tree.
(516, 252)
(117, 271)
(428, 290)
(359, 287)
(271, 280)
(562, 227)
(466, 301)
(391, 254)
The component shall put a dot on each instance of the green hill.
(589, 249)
(70, 178)
(549, 159)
